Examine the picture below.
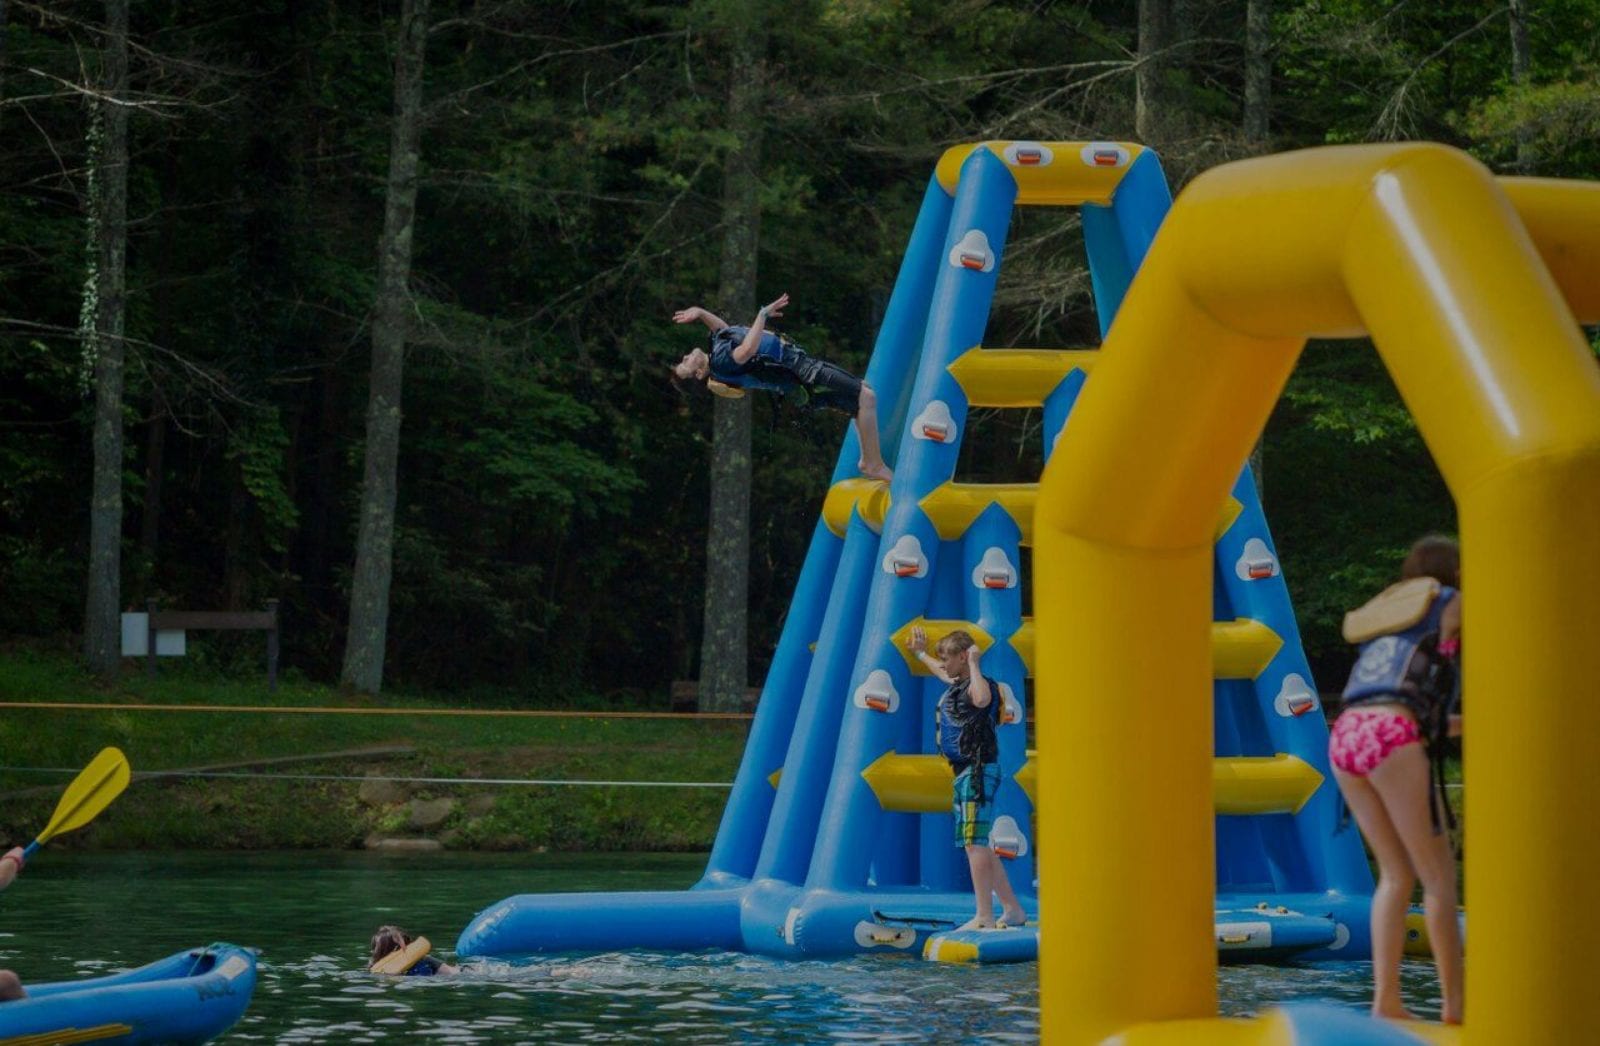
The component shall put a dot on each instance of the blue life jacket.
(1396, 666)
(771, 368)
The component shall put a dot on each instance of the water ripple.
(311, 915)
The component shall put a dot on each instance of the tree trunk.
(369, 593)
(1521, 63)
(724, 654)
(1155, 38)
(1257, 72)
(103, 315)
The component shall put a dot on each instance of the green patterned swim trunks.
(973, 818)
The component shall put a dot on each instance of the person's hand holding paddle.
(10, 864)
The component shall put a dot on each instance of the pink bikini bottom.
(1363, 737)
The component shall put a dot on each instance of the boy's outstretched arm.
(917, 643)
(752, 340)
(980, 693)
(695, 312)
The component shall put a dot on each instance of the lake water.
(310, 915)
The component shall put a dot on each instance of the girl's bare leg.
(1396, 878)
(1402, 782)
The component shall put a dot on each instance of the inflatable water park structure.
(1161, 614)
(838, 835)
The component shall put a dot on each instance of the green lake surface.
(310, 916)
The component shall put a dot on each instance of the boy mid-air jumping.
(755, 358)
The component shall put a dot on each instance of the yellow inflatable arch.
(1472, 292)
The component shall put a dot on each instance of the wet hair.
(689, 388)
(1434, 556)
(387, 939)
(956, 642)
(692, 386)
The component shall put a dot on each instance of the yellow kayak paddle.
(89, 793)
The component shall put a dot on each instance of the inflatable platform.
(190, 997)
(837, 837)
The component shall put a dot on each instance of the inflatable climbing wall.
(837, 837)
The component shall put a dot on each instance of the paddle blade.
(89, 793)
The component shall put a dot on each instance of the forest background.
(365, 307)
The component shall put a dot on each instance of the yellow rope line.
(509, 713)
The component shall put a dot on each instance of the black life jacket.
(977, 739)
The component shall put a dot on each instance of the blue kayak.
(189, 997)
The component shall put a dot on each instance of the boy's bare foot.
(1393, 1013)
(977, 923)
(882, 472)
(1013, 919)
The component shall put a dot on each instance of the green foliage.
(552, 488)
(1344, 391)
(1561, 121)
(1349, 485)
(259, 446)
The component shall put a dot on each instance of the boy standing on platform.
(968, 715)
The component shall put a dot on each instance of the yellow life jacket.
(397, 963)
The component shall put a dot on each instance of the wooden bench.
(216, 620)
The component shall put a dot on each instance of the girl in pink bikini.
(1383, 770)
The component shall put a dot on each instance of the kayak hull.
(190, 997)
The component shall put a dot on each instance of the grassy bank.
(281, 809)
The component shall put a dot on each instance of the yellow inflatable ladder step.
(1244, 785)
(1016, 377)
(1240, 649)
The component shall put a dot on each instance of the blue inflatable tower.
(837, 837)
